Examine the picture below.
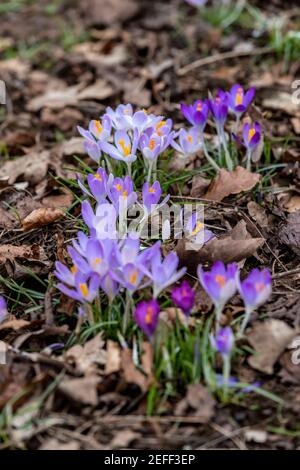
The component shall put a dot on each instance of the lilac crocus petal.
(239, 100)
(223, 341)
(129, 276)
(98, 184)
(101, 129)
(183, 297)
(256, 289)
(196, 3)
(219, 107)
(219, 283)
(195, 229)
(146, 316)
(93, 150)
(110, 286)
(65, 274)
(3, 309)
(251, 135)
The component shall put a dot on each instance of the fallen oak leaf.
(227, 183)
(14, 324)
(269, 339)
(132, 374)
(113, 363)
(82, 390)
(40, 217)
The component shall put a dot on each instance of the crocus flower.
(124, 147)
(121, 193)
(196, 113)
(255, 291)
(183, 297)
(219, 283)
(98, 183)
(163, 273)
(146, 315)
(123, 118)
(188, 142)
(196, 3)
(117, 116)
(151, 146)
(223, 341)
(98, 130)
(103, 223)
(95, 260)
(239, 100)
(86, 289)
(3, 309)
(129, 276)
(64, 274)
(110, 286)
(252, 136)
(93, 150)
(219, 107)
(196, 230)
(151, 196)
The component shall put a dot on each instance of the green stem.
(248, 165)
(228, 159)
(207, 156)
(226, 374)
(218, 318)
(127, 311)
(150, 170)
(245, 321)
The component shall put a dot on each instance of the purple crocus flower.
(86, 289)
(103, 224)
(196, 230)
(110, 286)
(183, 297)
(64, 274)
(93, 149)
(151, 196)
(219, 283)
(223, 341)
(150, 146)
(163, 273)
(251, 135)
(3, 309)
(129, 276)
(98, 184)
(146, 315)
(196, 113)
(239, 100)
(121, 193)
(98, 132)
(219, 107)
(255, 290)
(117, 116)
(196, 3)
(188, 142)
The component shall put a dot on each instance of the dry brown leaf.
(258, 213)
(199, 399)
(62, 200)
(113, 363)
(282, 101)
(234, 182)
(132, 374)
(123, 439)
(289, 233)
(83, 390)
(88, 357)
(14, 324)
(236, 246)
(293, 204)
(22, 251)
(55, 444)
(40, 217)
(269, 340)
(32, 167)
(199, 186)
(106, 12)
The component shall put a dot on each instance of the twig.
(286, 274)
(222, 56)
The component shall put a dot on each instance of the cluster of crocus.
(105, 260)
(236, 101)
(122, 134)
(222, 282)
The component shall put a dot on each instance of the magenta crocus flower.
(239, 100)
(146, 316)
(86, 289)
(223, 341)
(219, 283)
(255, 290)
(196, 113)
(183, 297)
(3, 309)
(188, 142)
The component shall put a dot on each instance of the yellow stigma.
(125, 193)
(73, 269)
(190, 138)
(159, 126)
(239, 97)
(148, 317)
(259, 286)
(251, 133)
(98, 126)
(84, 289)
(197, 229)
(118, 187)
(133, 277)
(126, 149)
(151, 190)
(145, 111)
(98, 177)
(220, 280)
(199, 107)
(152, 144)
(97, 260)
